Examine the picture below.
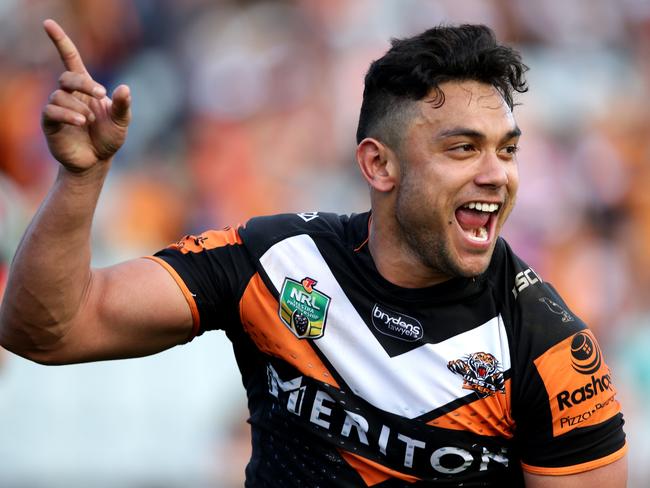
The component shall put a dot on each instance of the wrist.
(92, 174)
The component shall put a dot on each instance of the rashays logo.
(568, 399)
(578, 383)
(586, 357)
(395, 324)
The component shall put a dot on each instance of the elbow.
(45, 358)
(16, 339)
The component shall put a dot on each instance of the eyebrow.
(464, 131)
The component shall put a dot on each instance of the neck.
(395, 260)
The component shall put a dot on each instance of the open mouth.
(476, 219)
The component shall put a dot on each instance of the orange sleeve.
(578, 468)
(212, 270)
(189, 298)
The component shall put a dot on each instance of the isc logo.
(524, 279)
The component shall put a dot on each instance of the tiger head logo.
(481, 373)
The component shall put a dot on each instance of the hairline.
(403, 109)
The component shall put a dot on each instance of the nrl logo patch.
(480, 372)
(303, 308)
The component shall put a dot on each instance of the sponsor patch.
(586, 357)
(303, 308)
(481, 372)
(557, 309)
(395, 324)
(383, 440)
(523, 280)
(578, 383)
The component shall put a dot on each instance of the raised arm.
(56, 309)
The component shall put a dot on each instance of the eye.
(464, 148)
(510, 151)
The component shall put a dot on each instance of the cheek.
(512, 187)
(420, 204)
(513, 184)
(429, 193)
(513, 179)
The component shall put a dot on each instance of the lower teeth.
(480, 234)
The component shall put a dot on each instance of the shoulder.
(510, 274)
(261, 233)
(533, 307)
(564, 401)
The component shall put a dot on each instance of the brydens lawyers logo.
(395, 324)
(586, 357)
(303, 308)
(481, 372)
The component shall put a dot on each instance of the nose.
(493, 172)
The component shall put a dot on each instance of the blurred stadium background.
(250, 107)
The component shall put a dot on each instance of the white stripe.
(410, 384)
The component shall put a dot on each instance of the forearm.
(50, 273)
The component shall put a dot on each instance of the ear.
(378, 164)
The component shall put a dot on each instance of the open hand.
(82, 125)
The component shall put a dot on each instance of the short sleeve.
(212, 270)
(567, 415)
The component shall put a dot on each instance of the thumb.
(121, 106)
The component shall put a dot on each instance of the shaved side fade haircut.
(415, 66)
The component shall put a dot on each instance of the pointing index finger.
(67, 50)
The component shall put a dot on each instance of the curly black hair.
(415, 66)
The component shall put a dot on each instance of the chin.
(473, 265)
(472, 271)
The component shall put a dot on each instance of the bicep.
(132, 309)
(612, 475)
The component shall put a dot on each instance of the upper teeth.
(483, 207)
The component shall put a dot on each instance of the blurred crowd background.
(250, 107)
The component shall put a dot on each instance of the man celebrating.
(407, 346)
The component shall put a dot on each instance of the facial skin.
(450, 155)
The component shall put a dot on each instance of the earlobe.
(374, 160)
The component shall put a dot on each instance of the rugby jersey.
(353, 381)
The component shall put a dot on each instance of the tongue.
(471, 219)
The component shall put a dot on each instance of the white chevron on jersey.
(411, 384)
